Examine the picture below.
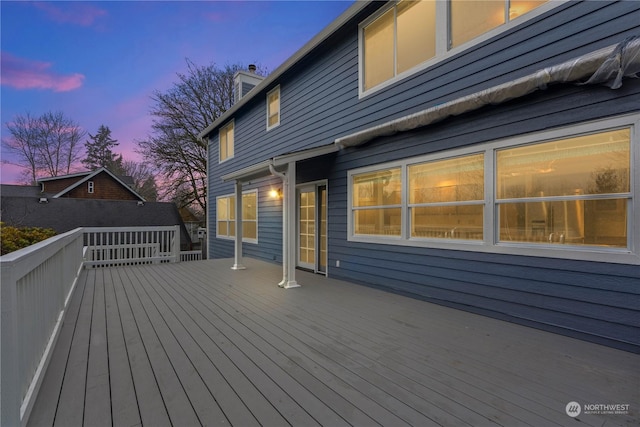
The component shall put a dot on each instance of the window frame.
(229, 221)
(90, 187)
(491, 241)
(274, 90)
(443, 49)
(224, 129)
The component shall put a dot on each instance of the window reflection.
(377, 194)
(578, 182)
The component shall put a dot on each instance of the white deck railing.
(111, 246)
(37, 283)
(35, 289)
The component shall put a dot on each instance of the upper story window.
(469, 19)
(226, 141)
(567, 193)
(90, 187)
(273, 108)
(409, 33)
(400, 39)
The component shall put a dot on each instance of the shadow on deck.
(198, 344)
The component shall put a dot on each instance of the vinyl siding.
(319, 102)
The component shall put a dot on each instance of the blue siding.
(319, 102)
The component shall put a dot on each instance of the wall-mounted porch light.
(275, 193)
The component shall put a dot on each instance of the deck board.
(199, 344)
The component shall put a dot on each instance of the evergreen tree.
(99, 150)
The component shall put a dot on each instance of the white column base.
(238, 267)
(291, 284)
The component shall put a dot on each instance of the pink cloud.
(21, 73)
(82, 14)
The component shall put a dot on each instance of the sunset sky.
(99, 62)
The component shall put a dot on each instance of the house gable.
(99, 184)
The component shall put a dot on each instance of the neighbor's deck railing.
(37, 283)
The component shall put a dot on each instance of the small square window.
(273, 108)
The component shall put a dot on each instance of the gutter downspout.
(288, 280)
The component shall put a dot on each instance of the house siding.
(319, 102)
(104, 187)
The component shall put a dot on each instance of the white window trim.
(490, 243)
(443, 52)
(90, 187)
(232, 238)
(275, 89)
(229, 123)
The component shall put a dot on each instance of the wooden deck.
(199, 344)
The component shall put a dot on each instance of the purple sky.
(99, 62)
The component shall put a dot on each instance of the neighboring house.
(193, 223)
(97, 184)
(428, 149)
(26, 206)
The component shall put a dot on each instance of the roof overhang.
(260, 170)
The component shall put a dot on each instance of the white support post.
(10, 389)
(289, 228)
(237, 263)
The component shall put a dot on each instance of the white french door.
(312, 227)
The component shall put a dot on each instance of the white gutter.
(605, 66)
(285, 222)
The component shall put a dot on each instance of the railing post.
(176, 243)
(10, 389)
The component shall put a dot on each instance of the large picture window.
(377, 203)
(226, 216)
(571, 190)
(409, 33)
(226, 141)
(446, 198)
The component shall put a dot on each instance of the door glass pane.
(307, 226)
(322, 262)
